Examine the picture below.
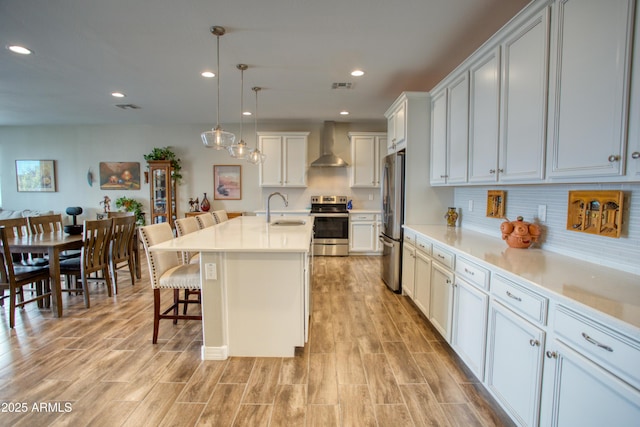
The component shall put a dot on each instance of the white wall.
(76, 149)
(523, 200)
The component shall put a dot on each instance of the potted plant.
(131, 205)
(165, 153)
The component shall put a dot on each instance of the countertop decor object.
(451, 216)
(205, 205)
(519, 233)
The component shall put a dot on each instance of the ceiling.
(155, 50)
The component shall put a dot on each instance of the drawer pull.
(512, 296)
(469, 271)
(552, 354)
(534, 343)
(440, 256)
(596, 343)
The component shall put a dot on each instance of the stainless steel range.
(331, 225)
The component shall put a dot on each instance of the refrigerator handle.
(384, 242)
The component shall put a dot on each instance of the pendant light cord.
(218, 82)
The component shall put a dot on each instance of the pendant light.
(255, 156)
(240, 150)
(216, 137)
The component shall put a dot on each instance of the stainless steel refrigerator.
(392, 219)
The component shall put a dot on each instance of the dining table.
(52, 244)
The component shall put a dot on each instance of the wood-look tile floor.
(371, 360)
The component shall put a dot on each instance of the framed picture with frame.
(227, 182)
(36, 175)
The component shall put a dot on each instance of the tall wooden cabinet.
(163, 192)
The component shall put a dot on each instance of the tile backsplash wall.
(524, 200)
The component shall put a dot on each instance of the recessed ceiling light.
(118, 94)
(246, 113)
(357, 73)
(20, 49)
(344, 113)
(207, 74)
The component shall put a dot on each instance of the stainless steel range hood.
(327, 157)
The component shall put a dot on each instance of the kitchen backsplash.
(622, 253)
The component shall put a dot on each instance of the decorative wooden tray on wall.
(595, 212)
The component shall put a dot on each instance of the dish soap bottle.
(350, 204)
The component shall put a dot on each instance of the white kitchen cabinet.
(423, 265)
(363, 232)
(484, 117)
(589, 87)
(397, 126)
(441, 301)
(286, 161)
(523, 100)
(450, 132)
(438, 174)
(408, 266)
(366, 158)
(470, 314)
(514, 363)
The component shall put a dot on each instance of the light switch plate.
(211, 271)
(542, 212)
(470, 205)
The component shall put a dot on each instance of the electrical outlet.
(370, 196)
(470, 205)
(542, 213)
(211, 271)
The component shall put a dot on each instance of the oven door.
(331, 227)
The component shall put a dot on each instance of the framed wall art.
(227, 182)
(495, 203)
(36, 175)
(119, 175)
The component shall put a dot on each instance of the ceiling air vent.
(128, 106)
(341, 85)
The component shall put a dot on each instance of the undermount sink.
(288, 222)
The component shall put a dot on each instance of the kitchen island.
(255, 285)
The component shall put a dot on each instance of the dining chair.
(206, 220)
(185, 226)
(19, 227)
(14, 277)
(121, 251)
(112, 214)
(96, 237)
(167, 272)
(49, 224)
(220, 216)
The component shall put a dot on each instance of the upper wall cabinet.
(397, 126)
(286, 162)
(367, 149)
(589, 87)
(524, 101)
(484, 117)
(633, 149)
(449, 131)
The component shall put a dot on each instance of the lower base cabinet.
(408, 269)
(514, 364)
(578, 392)
(441, 303)
(469, 333)
(422, 294)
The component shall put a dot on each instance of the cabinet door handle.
(492, 171)
(552, 354)
(596, 343)
(635, 155)
(501, 170)
(613, 158)
(534, 343)
(512, 296)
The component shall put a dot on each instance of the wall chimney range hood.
(327, 157)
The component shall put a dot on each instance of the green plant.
(165, 153)
(132, 205)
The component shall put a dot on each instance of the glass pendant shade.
(239, 150)
(256, 157)
(217, 138)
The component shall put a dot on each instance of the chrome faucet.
(269, 204)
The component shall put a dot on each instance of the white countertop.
(245, 234)
(607, 290)
(365, 211)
